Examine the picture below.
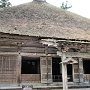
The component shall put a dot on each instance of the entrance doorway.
(56, 70)
(86, 66)
(86, 69)
(69, 73)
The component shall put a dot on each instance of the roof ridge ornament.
(40, 0)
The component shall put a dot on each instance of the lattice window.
(8, 69)
(7, 64)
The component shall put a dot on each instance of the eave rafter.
(14, 40)
(66, 45)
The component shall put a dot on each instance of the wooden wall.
(31, 49)
(30, 78)
(8, 69)
(46, 69)
(76, 72)
(8, 63)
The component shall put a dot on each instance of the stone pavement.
(46, 89)
(40, 88)
(80, 89)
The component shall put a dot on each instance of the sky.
(80, 7)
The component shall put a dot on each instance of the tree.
(4, 3)
(65, 5)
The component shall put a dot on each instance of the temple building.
(41, 44)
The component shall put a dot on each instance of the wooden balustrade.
(87, 78)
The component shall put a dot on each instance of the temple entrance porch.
(57, 70)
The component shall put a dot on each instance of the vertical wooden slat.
(46, 69)
(8, 68)
(18, 69)
(81, 70)
(49, 68)
(43, 66)
(1, 63)
(76, 72)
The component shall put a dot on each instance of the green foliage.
(65, 5)
(4, 3)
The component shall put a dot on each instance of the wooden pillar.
(18, 69)
(19, 63)
(49, 69)
(80, 70)
(64, 73)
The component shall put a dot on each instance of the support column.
(64, 73)
(80, 70)
(18, 69)
(19, 44)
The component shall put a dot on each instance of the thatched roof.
(44, 20)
